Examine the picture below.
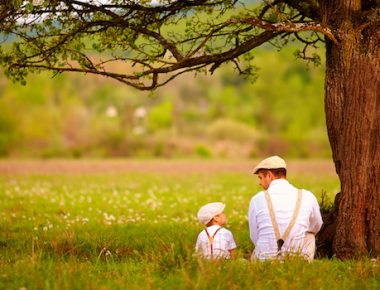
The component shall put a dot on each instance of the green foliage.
(203, 151)
(227, 129)
(7, 133)
(280, 113)
(157, 41)
(161, 116)
(282, 110)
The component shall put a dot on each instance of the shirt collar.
(279, 182)
(213, 227)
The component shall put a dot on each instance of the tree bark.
(352, 105)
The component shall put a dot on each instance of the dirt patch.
(159, 166)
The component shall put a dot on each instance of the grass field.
(132, 225)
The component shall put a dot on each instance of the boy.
(214, 242)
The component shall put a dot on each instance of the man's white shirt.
(222, 244)
(284, 198)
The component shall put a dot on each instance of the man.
(283, 220)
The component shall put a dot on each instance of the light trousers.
(308, 248)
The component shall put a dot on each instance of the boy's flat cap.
(207, 212)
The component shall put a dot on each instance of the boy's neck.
(213, 224)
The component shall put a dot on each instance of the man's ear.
(271, 175)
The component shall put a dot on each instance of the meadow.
(132, 225)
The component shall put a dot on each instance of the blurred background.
(202, 116)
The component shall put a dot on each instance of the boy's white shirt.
(222, 244)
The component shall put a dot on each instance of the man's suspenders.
(281, 240)
(211, 240)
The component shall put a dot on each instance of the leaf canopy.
(155, 41)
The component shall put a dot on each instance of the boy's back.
(215, 242)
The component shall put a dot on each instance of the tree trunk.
(352, 105)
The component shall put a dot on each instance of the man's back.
(284, 198)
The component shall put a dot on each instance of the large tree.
(159, 40)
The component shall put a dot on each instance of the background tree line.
(221, 116)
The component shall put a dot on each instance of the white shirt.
(222, 244)
(284, 198)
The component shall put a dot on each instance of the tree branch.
(132, 32)
(181, 66)
(287, 26)
(308, 8)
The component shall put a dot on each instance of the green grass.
(138, 230)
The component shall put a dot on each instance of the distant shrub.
(158, 149)
(203, 151)
(293, 147)
(7, 133)
(271, 145)
(232, 149)
(160, 116)
(227, 129)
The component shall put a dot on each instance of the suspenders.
(211, 240)
(280, 240)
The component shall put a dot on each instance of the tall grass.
(137, 231)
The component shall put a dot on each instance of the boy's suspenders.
(211, 240)
(281, 240)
